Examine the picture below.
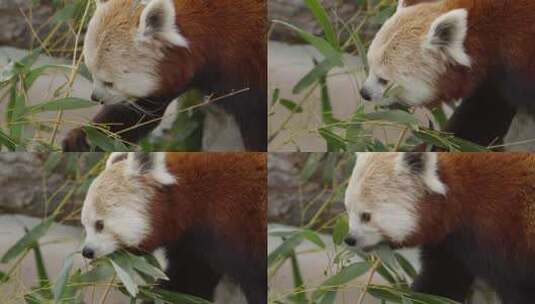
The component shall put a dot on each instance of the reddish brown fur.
(220, 192)
(227, 41)
(492, 194)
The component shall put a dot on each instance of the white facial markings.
(122, 204)
(115, 55)
(390, 198)
(413, 49)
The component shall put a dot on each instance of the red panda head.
(125, 43)
(413, 50)
(383, 194)
(117, 207)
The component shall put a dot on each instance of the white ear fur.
(153, 164)
(448, 33)
(428, 170)
(158, 19)
(115, 157)
(401, 4)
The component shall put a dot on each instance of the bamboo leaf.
(323, 19)
(28, 240)
(126, 279)
(61, 282)
(69, 103)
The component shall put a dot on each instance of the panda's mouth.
(368, 249)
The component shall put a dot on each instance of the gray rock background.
(14, 27)
(29, 187)
(295, 196)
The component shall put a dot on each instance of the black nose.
(88, 253)
(365, 94)
(350, 241)
(95, 97)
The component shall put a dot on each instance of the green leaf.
(106, 143)
(323, 19)
(287, 247)
(40, 265)
(406, 266)
(16, 108)
(299, 295)
(170, 297)
(125, 277)
(3, 277)
(343, 277)
(66, 13)
(33, 74)
(314, 75)
(28, 240)
(61, 282)
(313, 237)
(397, 116)
(100, 273)
(311, 166)
(69, 103)
(440, 117)
(291, 105)
(326, 107)
(335, 143)
(361, 49)
(341, 228)
(323, 46)
(7, 141)
(276, 94)
(141, 264)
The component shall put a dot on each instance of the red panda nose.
(350, 241)
(365, 94)
(88, 253)
(95, 97)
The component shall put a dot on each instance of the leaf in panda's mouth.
(385, 245)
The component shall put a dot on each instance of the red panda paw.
(75, 141)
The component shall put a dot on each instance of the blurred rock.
(292, 201)
(27, 189)
(298, 14)
(15, 16)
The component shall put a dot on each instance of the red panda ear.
(158, 21)
(406, 3)
(401, 4)
(151, 164)
(447, 35)
(115, 157)
(424, 165)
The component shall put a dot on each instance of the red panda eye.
(365, 217)
(99, 225)
(382, 81)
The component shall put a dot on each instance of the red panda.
(207, 210)
(478, 51)
(472, 213)
(143, 54)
